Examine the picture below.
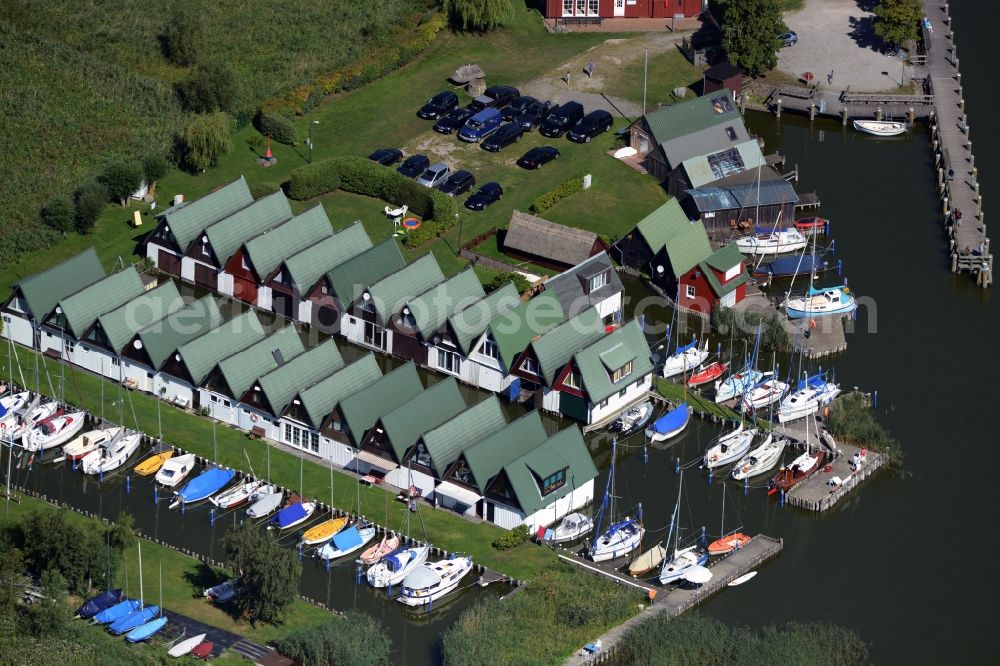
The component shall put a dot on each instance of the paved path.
(221, 639)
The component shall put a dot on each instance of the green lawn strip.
(194, 433)
(667, 70)
(675, 393)
(179, 592)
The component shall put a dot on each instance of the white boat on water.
(238, 494)
(265, 502)
(345, 542)
(734, 385)
(90, 441)
(822, 302)
(34, 415)
(53, 432)
(769, 391)
(729, 448)
(186, 645)
(621, 537)
(760, 459)
(431, 581)
(685, 359)
(10, 405)
(811, 394)
(572, 527)
(772, 242)
(395, 567)
(670, 424)
(681, 560)
(113, 456)
(175, 469)
(881, 127)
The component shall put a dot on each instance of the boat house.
(719, 280)
(555, 246)
(728, 209)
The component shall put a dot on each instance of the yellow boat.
(323, 532)
(152, 464)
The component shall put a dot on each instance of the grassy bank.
(194, 433)
(674, 392)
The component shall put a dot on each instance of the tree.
(481, 15)
(357, 639)
(154, 167)
(206, 139)
(182, 37)
(11, 571)
(269, 574)
(121, 178)
(50, 615)
(749, 33)
(58, 214)
(213, 86)
(90, 201)
(896, 21)
(52, 542)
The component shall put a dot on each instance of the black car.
(592, 124)
(453, 120)
(503, 95)
(484, 196)
(562, 119)
(481, 103)
(386, 156)
(414, 165)
(534, 115)
(514, 109)
(506, 135)
(459, 182)
(438, 105)
(536, 157)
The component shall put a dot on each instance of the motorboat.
(774, 241)
(116, 612)
(374, 554)
(396, 566)
(729, 448)
(238, 495)
(111, 457)
(799, 470)
(53, 432)
(648, 561)
(822, 302)
(632, 420)
(175, 470)
(90, 441)
(790, 266)
(570, 528)
(685, 359)
(760, 459)
(728, 543)
(134, 619)
(681, 563)
(146, 631)
(185, 646)
(153, 463)
(319, 534)
(203, 486)
(881, 127)
(734, 385)
(812, 224)
(707, 374)
(809, 396)
(345, 542)
(768, 391)
(433, 580)
(670, 424)
(265, 502)
(95, 605)
(294, 514)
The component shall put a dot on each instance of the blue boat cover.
(133, 620)
(145, 631)
(205, 484)
(289, 515)
(117, 611)
(100, 602)
(815, 381)
(681, 350)
(347, 538)
(822, 290)
(392, 561)
(672, 420)
(792, 265)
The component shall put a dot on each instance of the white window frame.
(733, 273)
(530, 366)
(598, 281)
(690, 291)
(449, 361)
(490, 349)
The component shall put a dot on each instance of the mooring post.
(812, 112)
(911, 115)
(843, 116)
(944, 205)
(878, 113)
(779, 107)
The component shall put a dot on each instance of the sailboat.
(111, 457)
(821, 302)
(173, 471)
(345, 542)
(185, 646)
(729, 447)
(734, 385)
(153, 463)
(374, 554)
(95, 605)
(139, 616)
(320, 534)
(685, 358)
(799, 470)
(803, 264)
(35, 414)
(238, 494)
(765, 392)
(10, 405)
(53, 432)
(760, 459)
(265, 502)
(682, 560)
(294, 514)
(118, 611)
(397, 566)
(203, 486)
(708, 373)
(621, 537)
(811, 393)
(727, 543)
(647, 561)
(670, 424)
(146, 631)
(773, 241)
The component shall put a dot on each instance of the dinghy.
(203, 486)
(374, 554)
(685, 359)
(727, 544)
(90, 441)
(632, 420)
(772, 242)
(431, 581)
(53, 432)
(153, 463)
(112, 456)
(117, 612)
(173, 471)
(729, 448)
(760, 459)
(397, 566)
(346, 542)
(572, 527)
(146, 631)
(292, 515)
(238, 494)
(670, 424)
(790, 266)
(185, 646)
(881, 127)
(222, 592)
(769, 391)
(812, 224)
(742, 579)
(648, 561)
(95, 605)
(203, 650)
(265, 502)
(707, 374)
(134, 619)
(323, 532)
(734, 386)
(821, 302)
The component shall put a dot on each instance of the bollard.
(300, 551)
(100, 476)
(704, 540)
(875, 399)
(156, 495)
(128, 485)
(677, 466)
(746, 486)
(782, 500)
(183, 507)
(711, 472)
(779, 108)
(843, 118)
(327, 559)
(826, 227)
(840, 266)
(812, 112)
(645, 455)
(211, 517)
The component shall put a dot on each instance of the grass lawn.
(675, 392)
(667, 70)
(194, 433)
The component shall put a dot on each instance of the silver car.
(434, 175)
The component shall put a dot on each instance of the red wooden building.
(556, 9)
(719, 280)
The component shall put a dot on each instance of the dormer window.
(572, 381)
(598, 281)
(407, 319)
(621, 373)
(554, 482)
(490, 349)
(530, 366)
(205, 252)
(243, 262)
(733, 272)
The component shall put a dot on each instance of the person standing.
(590, 69)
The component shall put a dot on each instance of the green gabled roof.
(555, 349)
(270, 248)
(629, 343)
(433, 407)
(162, 338)
(432, 308)
(447, 441)
(42, 291)
(350, 278)
(662, 224)
(81, 309)
(564, 450)
(487, 457)
(122, 323)
(190, 219)
(320, 399)
(688, 247)
(392, 292)
(228, 234)
(281, 384)
(369, 404)
(469, 324)
(242, 368)
(204, 352)
(722, 260)
(675, 121)
(309, 265)
(514, 329)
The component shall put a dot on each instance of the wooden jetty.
(676, 600)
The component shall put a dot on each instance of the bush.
(519, 281)
(206, 139)
(90, 201)
(154, 167)
(122, 179)
(182, 37)
(279, 127)
(258, 190)
(58, 214)
(213, 86)
(773, 334)
(559, 192)
(481, 15)
(511, 538)
(853, 421)
(357, 639)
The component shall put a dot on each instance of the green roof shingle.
(162, 338)
(320, 399)
(281, 384)
(242, 368)
(391, 293)
(488, 456)
(80, 310)
(122, 323)
(228, 234)
(514, 329)
(564, 450)
(627, 342)
(432, 308)
(190, 219)
(306, 267)
(556, 347)
(668, 227)
(350, 278)
(42, 291)
(367, 405)
(431, 408)
(270, 248)
(468, 325)
(447, 441)
(201, 354)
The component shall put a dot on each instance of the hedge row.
(278, 126)
(556, 194)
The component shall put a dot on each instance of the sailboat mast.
(722, 523)
(142, 598)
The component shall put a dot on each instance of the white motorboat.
(769, 391)
(395, 567)
(10, 405)
(186, 645)
(734, 385)
(265, 502)
(729, 448)
(821, 303)
(881, 127)
(34, 415)
(685, 359)
(431, 581)
(53, 432)
(572, 527)
(175, 469)
(238, 494)
(632, 420)
(760, 459)
(772, 242)
(811, 394)
(345, 542)
(90, 441)
(113, 456)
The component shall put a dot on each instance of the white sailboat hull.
(729, 449)
(266, 503)
(760, 460)
(66, 427)
(620, 543)
(104, 461)
(786, 240)
(765, 394)
(380, 575)
(186, 646)
(680, 564)
(734, 386)
(685, 361)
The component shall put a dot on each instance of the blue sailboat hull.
(147, 630)
(101, 602)
(117, 612)
(205, 485)
(788, 266)
(133, 620)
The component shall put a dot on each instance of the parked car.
(562, 119)
(503, 95)
(434, 175)
(789, 38)
(484, 196)
(386, 156)
(459, 182)
(536, 157)
(592, 124)
(503, 137)
(414, 165)
(453, 120)
(534, 115)
(438, 105)
(481, 125)
(481, 103)
(514, 109)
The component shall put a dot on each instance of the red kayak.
(707, 374)
(811, 224)
(203, 650)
